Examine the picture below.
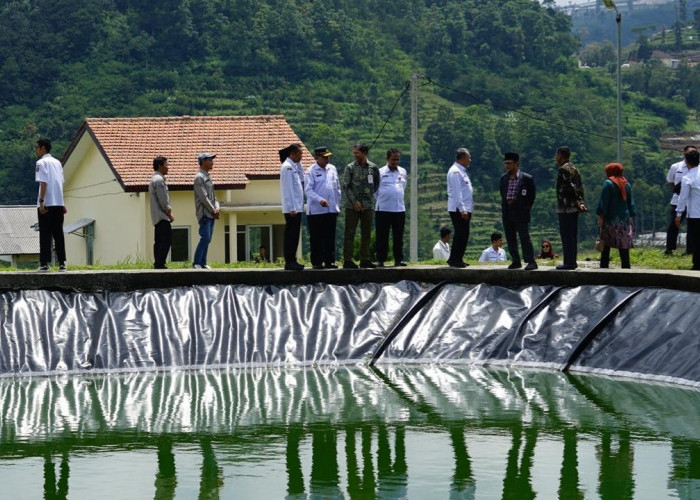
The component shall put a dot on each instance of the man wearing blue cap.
(322, 188)
(207, 208)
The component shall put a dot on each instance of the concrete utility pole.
(413, 246)
(610, 4)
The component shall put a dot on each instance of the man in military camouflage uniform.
(569, 204)
(360, 182)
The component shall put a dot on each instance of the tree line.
(497, 76)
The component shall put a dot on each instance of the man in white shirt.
(390, 210)
(322, 188)
(50, 206)
(441, 250)
(689, 202)
(494, 253)
(674, 177)
(460, 205)
(292, 193)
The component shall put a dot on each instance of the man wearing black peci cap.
(517, 198)
(292, 195)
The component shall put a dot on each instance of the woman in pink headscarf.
(616, 210)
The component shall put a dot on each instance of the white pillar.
(233, 236)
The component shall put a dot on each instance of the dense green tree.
(498, 75)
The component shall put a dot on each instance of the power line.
(90, 185)
(94, 196)
(406, 88)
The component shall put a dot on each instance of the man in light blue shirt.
(322, 188)
(390, 210)
(292, 194)
(460, 205)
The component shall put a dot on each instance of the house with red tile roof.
(109, 164)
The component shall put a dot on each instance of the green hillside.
(496, 75)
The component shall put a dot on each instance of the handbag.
(599, 245)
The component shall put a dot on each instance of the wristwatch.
(41, 200)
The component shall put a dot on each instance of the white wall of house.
(123, 228)
(91, 191)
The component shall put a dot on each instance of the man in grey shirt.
(207, 208)
(161, 212)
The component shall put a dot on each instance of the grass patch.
(640, 258)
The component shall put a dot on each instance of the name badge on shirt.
(370, 178)
(524, 192)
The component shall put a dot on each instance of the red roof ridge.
(186, 117)
(246, 147)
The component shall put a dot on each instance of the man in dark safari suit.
(517, 198)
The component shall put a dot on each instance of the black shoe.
(317, 267)
(668, 252)
(348, 264)
(330, 266)
(43, 268)
(400, 264)
(564, 267)
(62, 267)
(380, 264)
(293, 266)
(515, 265)
(365, 264)
(531, 266)
(458, 265)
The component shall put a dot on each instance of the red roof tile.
(246, 147)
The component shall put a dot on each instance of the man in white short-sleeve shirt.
(494, 253)
(674, 177)
(441, 250)
(50, 206)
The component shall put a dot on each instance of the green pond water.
(399, 431)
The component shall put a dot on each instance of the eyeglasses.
(545, 246)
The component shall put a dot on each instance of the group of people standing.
(367, 193)
(370, 194)
(616, 210)
(685, 203)
(206, 206)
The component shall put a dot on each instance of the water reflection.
(56, 488)
(462, 432)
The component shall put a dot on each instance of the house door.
(256, 236)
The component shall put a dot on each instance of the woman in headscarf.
(547, 250)
(616, 211)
